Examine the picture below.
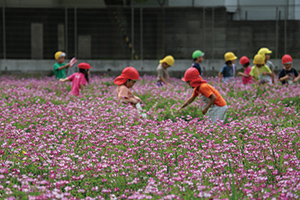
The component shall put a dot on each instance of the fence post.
(285, 30)
(4, 35)
(66, 30)
(141, 25)
(276, 34)
(213, 32)
(203, 29)
(132, 33)
(75, 32)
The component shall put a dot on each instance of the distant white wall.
(250, 9)
(198, 3)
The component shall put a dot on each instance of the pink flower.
(4, 171)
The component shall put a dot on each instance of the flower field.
(56, 146)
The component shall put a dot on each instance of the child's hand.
(240, 74)
(264, 73)
(178, 109)
(61, 80)
(286, 77)
(137, 98)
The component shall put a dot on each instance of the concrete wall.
(114, 67)
(52, 3)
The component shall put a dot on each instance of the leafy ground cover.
(55, 146)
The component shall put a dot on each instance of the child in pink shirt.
(125, 81)
(79, 79)
(246, 64)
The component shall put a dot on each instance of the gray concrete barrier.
(114, 67)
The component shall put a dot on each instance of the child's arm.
(267, 73)
(187, 102)
(130, 100)
(163, 80)
(137, 98)
(64, 79)
(221, 76)
(286, 77)
(243, 74)
(296, 79)
(254, 80)
(62, 67)
(81, 86)
(212, 100)
(273, 76)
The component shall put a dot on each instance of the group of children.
(215, 105)
(262, 71)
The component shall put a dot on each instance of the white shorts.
(215, 112)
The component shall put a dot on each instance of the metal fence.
(145, 33)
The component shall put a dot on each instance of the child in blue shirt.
(227, 73)
(198, 58)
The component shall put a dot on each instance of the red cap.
(287, 59)
(192, 74)
(244, 60)
(84, 66)
(127, 73)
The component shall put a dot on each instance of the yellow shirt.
(259, 76)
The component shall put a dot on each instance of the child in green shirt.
(60, 65)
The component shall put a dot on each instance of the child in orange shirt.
(216, 106)
(125, 81)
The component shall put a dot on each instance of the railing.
(147, 33)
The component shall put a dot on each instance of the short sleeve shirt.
(161, 72)
(227, 71)
(207, 90)
(59, 73)
(123, 92)
(197, 66)
(292, 73)
(261, 69)
(270, 65)
(77, 79)
(247, 80)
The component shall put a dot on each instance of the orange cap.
(127, 73)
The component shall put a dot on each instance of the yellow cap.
(229, 56)
(168, 59)
(59, 54)
(258, 59)
(263, 51)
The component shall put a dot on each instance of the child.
(246, 64)
(260, 72)
(227, 72)
(198, 58)
(215, 104)
(288, 74)
(59, 67)
(79, 79)
(125, 81)
(162, 72)
(265, 52)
